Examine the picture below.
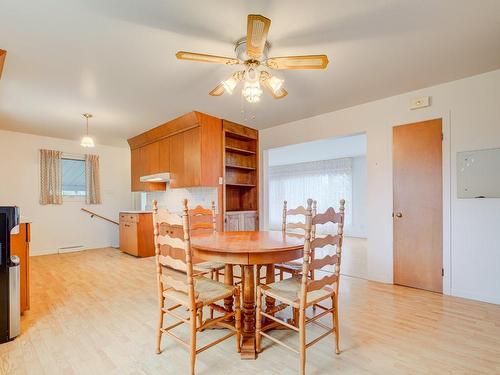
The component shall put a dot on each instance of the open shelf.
(240, 167)
(242, 137)
(242, 185)
(240, 150)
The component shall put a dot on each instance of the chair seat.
(209, 266)
(288, 291)
(206, 290)
(293, 267)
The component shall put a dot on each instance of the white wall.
(56, 226)
(334, 148)
(471, 120)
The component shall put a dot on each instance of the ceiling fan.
(252, 52)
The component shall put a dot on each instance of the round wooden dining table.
(248, 249)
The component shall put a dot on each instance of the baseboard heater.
(68, 249)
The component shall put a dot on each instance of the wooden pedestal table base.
(248, 249)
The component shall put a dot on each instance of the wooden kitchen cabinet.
(189, 147)
(241, 221)
(136, 233)
(20, 246)
(145, 161)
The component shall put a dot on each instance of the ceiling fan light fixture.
(229, 85)
(276, 83)
(252, 91)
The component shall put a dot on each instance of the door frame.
(446, 191)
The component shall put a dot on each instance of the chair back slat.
(171, 262)
(320, 283)
(325, 241)
(296, 226)
(329, 260)
(296, 211)
(328, 216)
(173, 242)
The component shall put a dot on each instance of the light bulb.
(229, 85)
(252, 91)
(87, 142)
(275, 83)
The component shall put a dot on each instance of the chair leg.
(193, 340)
(335, 313)
(295, 316)
(158, 332)
(302, 337)
(237, 323)
(258, 318)
(281, 275)
(217, 274)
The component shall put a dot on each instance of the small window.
(73, 177)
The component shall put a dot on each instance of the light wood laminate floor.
(94, 312)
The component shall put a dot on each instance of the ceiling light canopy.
(86, 140)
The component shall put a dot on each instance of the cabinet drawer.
(129, 218)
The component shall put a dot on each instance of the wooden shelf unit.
(241, 176)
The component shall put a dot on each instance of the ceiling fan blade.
(183, 55)
(257, 29)
(218, 90)
(298, 62)
(265, 81)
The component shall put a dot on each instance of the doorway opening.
(325, 170)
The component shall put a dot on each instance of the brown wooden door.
(418, 205)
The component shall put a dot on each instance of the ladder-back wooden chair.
(294, 267)
(204, 221)
(302, 292)
(187, 288)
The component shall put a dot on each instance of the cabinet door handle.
(126, 225)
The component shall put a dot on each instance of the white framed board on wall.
(478, 173)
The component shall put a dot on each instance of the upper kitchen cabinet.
(189, 148)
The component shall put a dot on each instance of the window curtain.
(326, 181)
(50, 177)
(92, 180)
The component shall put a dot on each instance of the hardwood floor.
(94, 312)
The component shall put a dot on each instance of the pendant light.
(86, 140)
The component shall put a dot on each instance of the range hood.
(157, 177)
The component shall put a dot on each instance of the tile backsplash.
(171, 199)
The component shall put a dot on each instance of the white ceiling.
(116, 58)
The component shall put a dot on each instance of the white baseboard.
(475, 297)
(35, 253)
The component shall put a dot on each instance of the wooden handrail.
(92, 214)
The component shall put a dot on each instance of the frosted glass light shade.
(87, 142)
(252, 91)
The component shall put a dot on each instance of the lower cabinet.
(20, 246)
(241, 221)
(136, 234)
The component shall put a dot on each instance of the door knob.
(399, 214)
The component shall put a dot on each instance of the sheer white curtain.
(326, 181)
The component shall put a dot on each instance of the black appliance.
(9, 318)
